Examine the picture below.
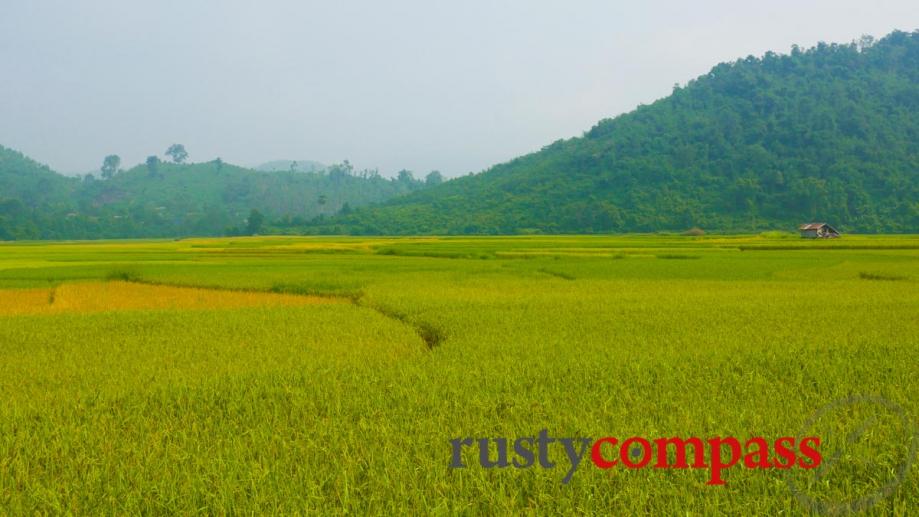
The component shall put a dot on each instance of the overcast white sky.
(417, 84)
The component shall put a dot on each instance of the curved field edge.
(120, 295)
(336, 407)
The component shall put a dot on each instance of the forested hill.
(22, 178)
(160, 199)
(830, 133)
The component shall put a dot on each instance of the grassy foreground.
(337, 370)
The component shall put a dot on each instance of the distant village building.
(818, 231)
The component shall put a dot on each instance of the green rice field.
(290, 375)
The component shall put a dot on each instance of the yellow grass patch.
(120, 296)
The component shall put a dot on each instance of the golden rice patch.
(121, 296)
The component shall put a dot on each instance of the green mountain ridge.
(172, 200)
(829, 134)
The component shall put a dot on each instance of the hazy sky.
(416, 84)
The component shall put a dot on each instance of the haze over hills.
(291, 165)
(167, 199)
(830, 134)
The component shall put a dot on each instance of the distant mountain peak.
(291, 165)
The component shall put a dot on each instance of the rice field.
(117, 295)
(329, 375)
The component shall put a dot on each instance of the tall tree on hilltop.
(153, 165)
(110, 165)
(433, 179)
(177, 152)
